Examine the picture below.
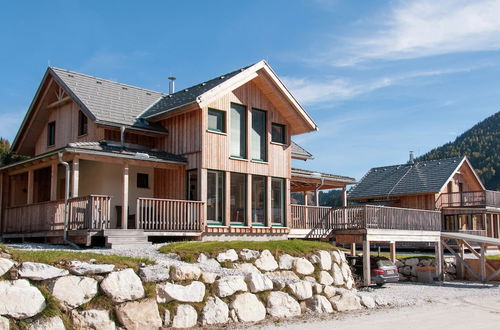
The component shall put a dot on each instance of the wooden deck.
(481, 198)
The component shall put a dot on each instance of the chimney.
(171, 85)
(412, 158)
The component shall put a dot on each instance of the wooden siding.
(464, 176)
(170, 184)
(423, 202)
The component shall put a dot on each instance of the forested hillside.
(481, 144)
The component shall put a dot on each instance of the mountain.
(481, 144)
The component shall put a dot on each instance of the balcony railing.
(482, 198)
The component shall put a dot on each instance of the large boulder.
(84, 268)
(52, 323)
(302, 290)
(229, 255)
(215, 312)
(325, 260)
(286, 274)
(249, 255)
(185, 273)
(319, 304)
(367, 301)
(155, 273)
(345, 302)
(193, 292)
(338, 277)
(185, 317)
(266, 261)
(138, 315)
(20, 300)
(92, 319)
(303, 266)
(286, 261)
(325, 278)
(5, 265)
(411, 262)
(346, 271)
(209, 277)
(211, 262)
(228, 285)
(329, 291)
(39, 272)
(73, 291)
(248, 308)
(247, 268)
(258, 282)
(281, 304)
(123, 286)
(4, 323)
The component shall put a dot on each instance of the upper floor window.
(51, 134)
(259, 135)
(216, 120)
(238, 134)
(82, 124)
(278, 133)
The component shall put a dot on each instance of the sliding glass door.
(278, 201)
(215, 197)
(238, 198)
(259, 192)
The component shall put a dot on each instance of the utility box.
(426, 274)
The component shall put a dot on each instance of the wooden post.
(249, 201)
(202, 186)
(269, 221)
(344, 196)
(392, 248)
(316, 196)
(227, 199)
(53, 182)
(1, 201)
(366, 263)
(306, 211)
(353, 249)
(483, 263)
(31, 182)
(75, 177)
(287, 204)
(125, 197)
(461, 269)
(438, 250)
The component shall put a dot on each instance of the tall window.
(216, 120)
(259, 135)
(278, 133)
(143, 180)
(51, 133)
(238, 198)
(238, 130)
(192, 191)
(82, 123)
(215, 196)
(259, 199)
(278, 201)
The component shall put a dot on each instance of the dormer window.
(51, 134)
(82, 124)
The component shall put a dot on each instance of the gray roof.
(188, 95)
(300, 153)
(314, 174)
(405, 179)
(106, 100)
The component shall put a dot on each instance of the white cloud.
(416, 29)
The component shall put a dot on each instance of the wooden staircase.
(124, 238)
(322, 230)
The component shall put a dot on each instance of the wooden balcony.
(85, 213)
(482, 198)
(169, 215)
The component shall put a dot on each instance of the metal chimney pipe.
(171, 85)
(412, 158)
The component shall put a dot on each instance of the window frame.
(188, 184)
(83, 124)
(51, 134)
(222, 198)
(245, 199)
(264, 136)
(284, 203)
(244, 154)
(264, 222)
(143, 175)
(223, 122)
(283, 134)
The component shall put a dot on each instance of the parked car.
(383, 270)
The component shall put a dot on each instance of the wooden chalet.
(212, 161)
(450, 186)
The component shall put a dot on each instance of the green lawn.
(55, 256)
(404, 256)
(189, 250)
(495, 257)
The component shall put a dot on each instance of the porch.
(478, 199)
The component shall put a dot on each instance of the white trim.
(464, 159)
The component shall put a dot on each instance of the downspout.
(66, 198)
(318, 188)
(122, 136)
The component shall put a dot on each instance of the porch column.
(53, 182)
(249, 201)
(438, 250)
(344, 196)
(125, 197)
(31, 180)
(392, 248)
(316, 196)
(461, 268)
(366, 263)
(75, 176)
(269, 222)
(288, 204)
(482, 263)
(202, 178)
(227, 199)
(353, 249)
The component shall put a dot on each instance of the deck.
(469, 199)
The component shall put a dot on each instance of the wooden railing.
(364, 217)
(479, 198)
(169, 215)
(88, 212)
(470, 232)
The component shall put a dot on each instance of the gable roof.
(405, 179)
(300, 153)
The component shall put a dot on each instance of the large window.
(238, 130)
(259, 199)
(82, 124)
(51, 133)
(259, 135)
(216, 120)
(278, 134)
(278, 201)
(238, 198)
(215, 197)
(192, 183)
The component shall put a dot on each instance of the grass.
(404, 256)
(495, 257)
(189, 250)
(56, 256)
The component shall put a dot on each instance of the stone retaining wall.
(408, 268)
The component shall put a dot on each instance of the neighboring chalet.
(450, 186)
(212, 161)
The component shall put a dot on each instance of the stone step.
(123, 232)
(128, 245)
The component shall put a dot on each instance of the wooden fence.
(169, 215)
(479, 198)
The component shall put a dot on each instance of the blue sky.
(379, 77)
